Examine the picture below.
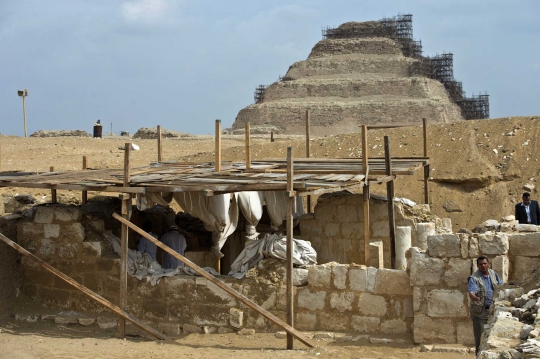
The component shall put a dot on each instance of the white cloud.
(146, 11)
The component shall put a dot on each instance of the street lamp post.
(23, 94)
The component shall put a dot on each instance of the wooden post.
(159, 144)
(242, 298)
(54, 199)
(366, 194)
(308, 153)
(24, 112)
(84, 166)
(248, 146)
(126, 202)
(390, 197)
(426, 167)
(290, 204)
(217, 162)
(0, 151)
(271, 136)
(88, 292)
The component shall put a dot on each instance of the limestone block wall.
(377, 45)
(336, 230)
(439, 277)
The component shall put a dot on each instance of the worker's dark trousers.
(478, 327)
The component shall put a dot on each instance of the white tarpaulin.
(141, 265)
(272, 245)
(276, 205)
(251, 205)
(219, 214)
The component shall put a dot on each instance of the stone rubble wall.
(376, 45)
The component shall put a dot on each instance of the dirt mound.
(60, 133)
(149, 133)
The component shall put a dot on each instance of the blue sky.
(183, 64)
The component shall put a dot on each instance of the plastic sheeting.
(141, 265)
(251, 205)
(272, 245)
(219, 214)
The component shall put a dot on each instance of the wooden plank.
(221, 285)
(124, 242)
(217, 154)
(289, 255)
(159, 144)
(248, 145)
(54, 199)
(366, 224)
(85, 290)
(84, 195)
(390, 197)
(426, 166)
(364, 148)
(308, 145)
(97, 188)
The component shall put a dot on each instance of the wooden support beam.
(390, 197)
(54, 198)
(366, 224)
(308, 145)
(271, 136)
(88, 292)
(364, 148)
(211, 278)
(289, 265)
(426, 166)
(84, 194)
(248, 145)
(126, 202)
(217, 162)
(0, 151)
(159, 144)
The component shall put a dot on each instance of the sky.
(182, 64)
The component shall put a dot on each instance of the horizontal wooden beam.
(83, 289)
(73, 187)
(211, 278)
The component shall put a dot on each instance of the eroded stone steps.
(375, 45)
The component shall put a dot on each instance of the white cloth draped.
(251, 205)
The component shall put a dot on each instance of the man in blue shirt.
(482, 285)
(145, 245)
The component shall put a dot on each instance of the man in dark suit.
(528, 212)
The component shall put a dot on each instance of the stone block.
(423, 230)
(527, 227)
(426, 270)
(522, 267)
(65, 320)
(331, 229)
(408, 308)
(524, 244)
(371, 278)
(358, 279)
(178, 311)
(493, 243)
(210, 314)
(444, 245)
(352, 230)
(372, 305)
(300, 276)
(46, 248)
(86, 321)
(474, 250)
(311, 300)
(443, 303)
(457, 272)
(376, 254)
(31, 229)
(320, 276)
(464, 238)
(201, 281)
(91, 249)
(340, 276)
(67, 214)
(306, 321)
(393, 282)
(418, 298)
(179, 287)
(73, 233)
(219, 295)
(51, 230)
(433, 330)
(342, 301)
(245, 331)
(107, 323)
(334, 321)
(501, 265)
(465, 334)
(225, 330)
(66, 250)
(44, 214)
(236, 318)
(170, 328)
(190, 328)
(347, 213)
(365, 324)
(394, 326)
(208, 329)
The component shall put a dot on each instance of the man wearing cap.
(177, 242)
(528, 211)
(482, 285)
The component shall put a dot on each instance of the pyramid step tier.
(330, 116)
(377, 45)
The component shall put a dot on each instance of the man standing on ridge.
(528, 212)
(482, 285)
